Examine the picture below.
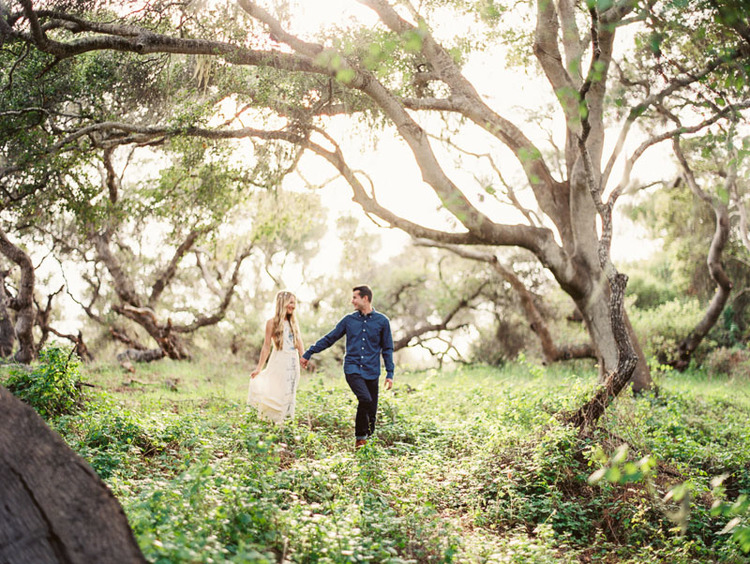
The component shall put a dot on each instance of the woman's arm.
(298, 344)
(265, 350)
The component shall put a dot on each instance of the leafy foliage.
(51, 385)
(662, 328)
(469, 464)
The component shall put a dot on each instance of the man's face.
(359, 303)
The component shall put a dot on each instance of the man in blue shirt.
(368, 335)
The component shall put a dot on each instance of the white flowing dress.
(273, 392)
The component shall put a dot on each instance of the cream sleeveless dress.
(273, 392)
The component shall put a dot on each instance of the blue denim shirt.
(367, 337)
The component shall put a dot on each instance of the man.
(368, 335)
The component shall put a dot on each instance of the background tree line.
(127, 152)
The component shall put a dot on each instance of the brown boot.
(360, 443)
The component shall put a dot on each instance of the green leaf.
(412, 41)
(345, 76)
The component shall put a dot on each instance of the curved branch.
(655, 99)
(90, 36)
(536, 239)
(552, 353)
(443, 325)
(723, 284)
(277, 31)
(539, 240)
(547, 52)
(123, 285)
(169, 272)
(229, 291)
(475, 221)
(40, 39)
(667, 135)
(552, 195)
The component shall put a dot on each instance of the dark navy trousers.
(367, 408)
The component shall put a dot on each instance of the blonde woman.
(273, 391)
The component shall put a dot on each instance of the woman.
(274, 390)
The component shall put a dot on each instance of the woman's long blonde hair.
(277, 336)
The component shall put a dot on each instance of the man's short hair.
(364, 291)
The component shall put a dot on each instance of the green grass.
(469, 465)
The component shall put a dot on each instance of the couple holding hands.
(368, 336)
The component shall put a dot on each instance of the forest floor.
(470, 464)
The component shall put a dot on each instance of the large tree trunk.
(23, 303)
(587, 416)
(597, 317)
(54, 509)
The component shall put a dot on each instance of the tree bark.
(55, 509)
(597, 317)
(23, 303)
(587, 416)
(7, 332)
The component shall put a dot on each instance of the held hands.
(303, 362)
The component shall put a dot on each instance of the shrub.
(109, 437)
(52, 386)
(650, 291)
(502, 342)
(732, 362)
(662, 328)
